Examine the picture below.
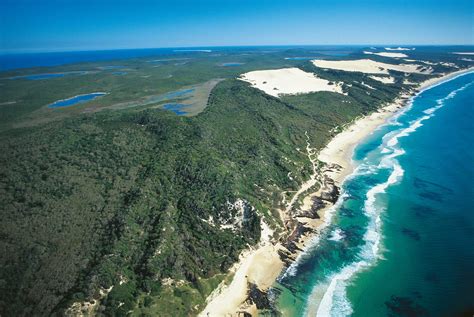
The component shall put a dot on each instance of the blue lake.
(176, 108)
(119, 73)
(76, 99)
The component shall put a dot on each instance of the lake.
(76, 99)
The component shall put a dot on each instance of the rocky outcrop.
(258, 297)
(329, 191)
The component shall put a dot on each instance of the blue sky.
(47, 25)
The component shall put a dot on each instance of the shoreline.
(262, 265)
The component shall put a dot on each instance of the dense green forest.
(136, 208)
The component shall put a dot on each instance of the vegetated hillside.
(113, 205)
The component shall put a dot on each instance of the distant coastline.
(14, 61)
(18, 60)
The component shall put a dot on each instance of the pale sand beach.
(370, 67)
(386, 54)
(262, 265)
(293, 80)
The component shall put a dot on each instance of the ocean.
(400, 242)
(27, 60)
(12, 61)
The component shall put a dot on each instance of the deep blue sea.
(401, 240)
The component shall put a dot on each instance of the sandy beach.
(262, 264)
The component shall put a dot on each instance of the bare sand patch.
(369, 66)
(386, 54)
(260, 266)
(464, 53)
(418, 61)
(384, 79)
(399, 48)
(289, 81)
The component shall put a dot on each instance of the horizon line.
(40, 51)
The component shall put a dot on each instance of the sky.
(62, 25)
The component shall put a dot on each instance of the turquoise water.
(400, 242)
(76, 99)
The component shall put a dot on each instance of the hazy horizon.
(32, 51)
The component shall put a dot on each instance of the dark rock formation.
(258, 297)
(285, 256)
(330, 192)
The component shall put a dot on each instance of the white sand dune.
(384, 79)
(293, 80)
(418, 61)
(369, 66)
(449, 65)
(399, 48)
(385, 54)
(464, 53)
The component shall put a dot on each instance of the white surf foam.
(335, 302)
(336, 235)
